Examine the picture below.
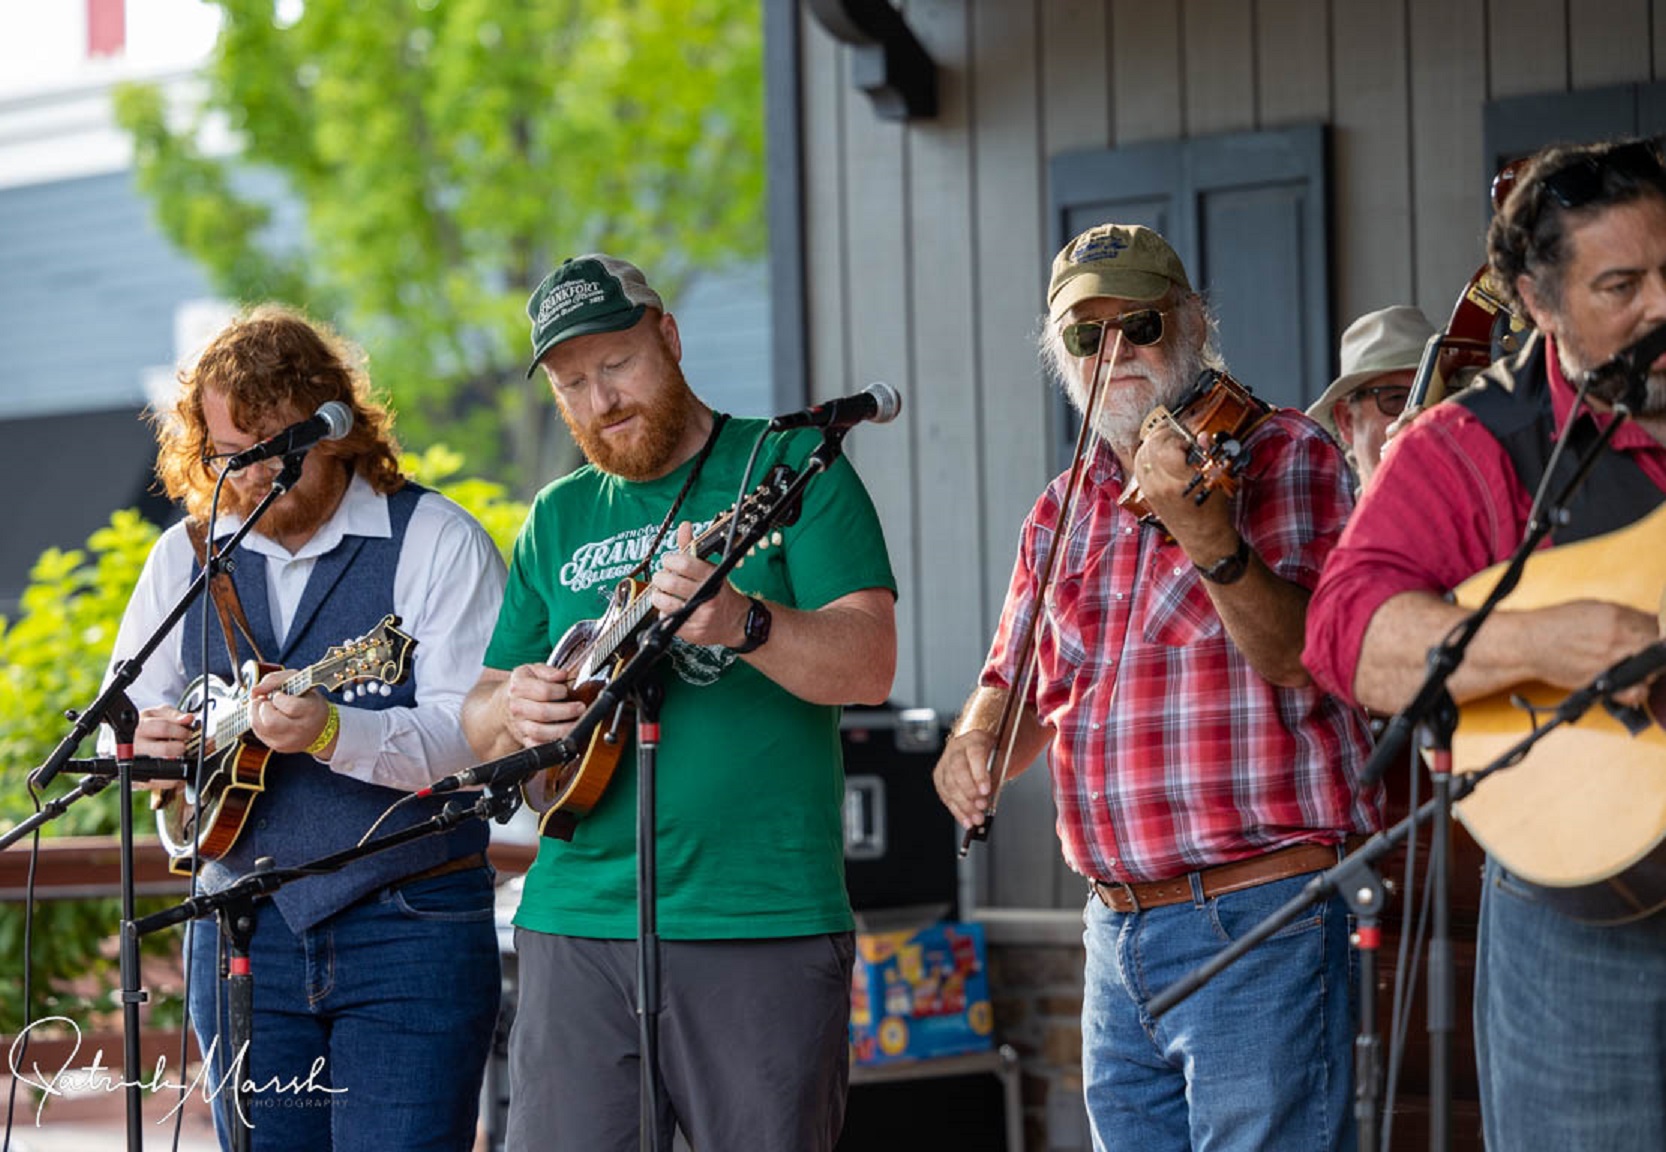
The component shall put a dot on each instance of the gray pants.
(753, 1044)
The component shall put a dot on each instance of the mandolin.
(1584, 814)
(595, 650)
(205, 821)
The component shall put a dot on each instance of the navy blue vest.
(1512, 399)
(308, 810)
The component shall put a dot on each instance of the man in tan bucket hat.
(1380, 354)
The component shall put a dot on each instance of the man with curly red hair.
(376, 986)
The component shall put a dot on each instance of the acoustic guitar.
(595, 650)
(1584, 814)
(205, 821)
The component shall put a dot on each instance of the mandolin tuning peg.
(347, 695)
(385, 689)
(742, 561)
(775, 538)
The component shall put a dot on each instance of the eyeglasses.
(1142, 327)
(214, 461)
(1391, 398)
(1579, 182)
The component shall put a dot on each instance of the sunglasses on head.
(1579, 182)
(1390, 398)
(1142, 327)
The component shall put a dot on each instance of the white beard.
(1123, 407)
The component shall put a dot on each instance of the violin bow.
(1006, 741)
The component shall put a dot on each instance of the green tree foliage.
(447, 153)
(52, 658)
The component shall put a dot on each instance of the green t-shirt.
(750, 779)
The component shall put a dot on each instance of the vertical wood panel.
(1218, 64)
(944, 431)
(1292, 78)
(1075, 76)
(1145, 71)
(1371, 158)
(1010, 261)
(1658, 40)
(1527, 46)
(876, 273)
(1608, 42)
(824, 95)
(1449, 195)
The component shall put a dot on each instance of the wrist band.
(332, 725)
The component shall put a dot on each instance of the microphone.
(877, 402)
(1624, 377)
(511, 769)
(1634, 669)
(332, 421)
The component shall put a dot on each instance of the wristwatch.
(757, 627)
(1228, 569)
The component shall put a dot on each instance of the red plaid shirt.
(1172, 753)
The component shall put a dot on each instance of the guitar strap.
(224, 594)
(718, 420)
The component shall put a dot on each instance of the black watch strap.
(1228, 569)
(758, 621)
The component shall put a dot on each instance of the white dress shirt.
(446, 590)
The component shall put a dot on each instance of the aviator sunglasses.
(1141, 327)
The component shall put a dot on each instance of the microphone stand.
(99, 773)
(112, 706)
(1431, 707)
(627, 685)
(234, 906)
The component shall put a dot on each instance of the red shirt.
(1444, 505)
(1172, 753)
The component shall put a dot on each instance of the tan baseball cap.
(1128, 261)
(1387, 340)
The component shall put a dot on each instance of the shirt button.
(1178, 571)
(1093, 795)
(1094, 725)
(1119, 595)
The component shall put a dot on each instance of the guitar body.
(563, 793)
(1584, 815)
(204, 820)
(236, 774)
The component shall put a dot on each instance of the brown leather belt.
(1282, 864)
(460, 864)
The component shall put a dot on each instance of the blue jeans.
(1258, 1058)
(371, 1029)
(1570, 1026)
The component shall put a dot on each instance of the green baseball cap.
(587, 294)
(1127, 261)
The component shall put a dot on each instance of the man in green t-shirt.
(755, 925)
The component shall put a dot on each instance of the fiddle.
(1224, 409)
(1481, 329)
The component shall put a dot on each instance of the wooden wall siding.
(927, 244)
(87, 293)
